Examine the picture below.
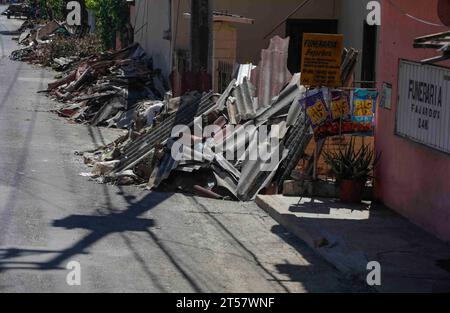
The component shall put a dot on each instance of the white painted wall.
(353, 14)
(152, 20)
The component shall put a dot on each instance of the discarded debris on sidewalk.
(102, 89)
(150, 155)
(47, 43)
(121, 89)
(109, 89)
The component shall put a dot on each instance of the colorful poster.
(340, 105)
(331, 114)
(316, 109)
(364, 103)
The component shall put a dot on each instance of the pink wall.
(412, 179)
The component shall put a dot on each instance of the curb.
(350, 263)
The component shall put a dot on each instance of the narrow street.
(126, 239)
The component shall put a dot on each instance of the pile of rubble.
(110, 89)
(230, 145)
(53, 44)
(113, 89)
(219, 146)
(17, 10)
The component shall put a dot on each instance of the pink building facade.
(412, 179)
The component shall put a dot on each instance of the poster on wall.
(316, 109)
(423, 110)
(331, 113)
(340, 105)
(364, 104)
(386, 96)
(321, 60)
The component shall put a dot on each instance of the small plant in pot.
(352, 168)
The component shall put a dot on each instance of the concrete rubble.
(122, 90)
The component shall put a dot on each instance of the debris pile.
(113, 89)
(17, 10)
(110, 89)
(228, 146)
(224, 146)
(54, 44)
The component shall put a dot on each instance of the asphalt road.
(125, 239)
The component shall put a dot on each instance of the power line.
(286, 18)
(396, 6)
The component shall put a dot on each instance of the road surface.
(125, 239)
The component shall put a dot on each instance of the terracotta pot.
(351, 191)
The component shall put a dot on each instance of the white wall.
(152, 19)
(351, 23)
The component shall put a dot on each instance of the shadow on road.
(99, 227)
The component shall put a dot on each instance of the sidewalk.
(351, 236)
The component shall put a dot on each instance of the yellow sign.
(317, 112)
(340, 108)
(363, 108)
(321, 60)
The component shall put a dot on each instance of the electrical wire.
(287, 17)
(396, 6)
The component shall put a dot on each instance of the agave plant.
(349, 164)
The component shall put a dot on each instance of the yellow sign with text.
(340, 108)
(317, 112)
(363, 108)
(321, 60)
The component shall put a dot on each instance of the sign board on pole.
(321, 60)
(423, 110)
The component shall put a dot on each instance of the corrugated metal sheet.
(232, 142)
(253, 177)
(272, 73)
(244, 71)
(297, 140)
(423, 111)
(295, 109)
(349, 59)
(289, 96)
(221, 102)
(244, 105)
(194, 105)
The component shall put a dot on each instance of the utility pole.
(201, 36)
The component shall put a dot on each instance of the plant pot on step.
(351, 191)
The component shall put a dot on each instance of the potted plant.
(352, 168)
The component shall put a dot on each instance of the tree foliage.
(54, 9)
(111, 17)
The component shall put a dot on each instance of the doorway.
(295, 28)
(369, 55)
